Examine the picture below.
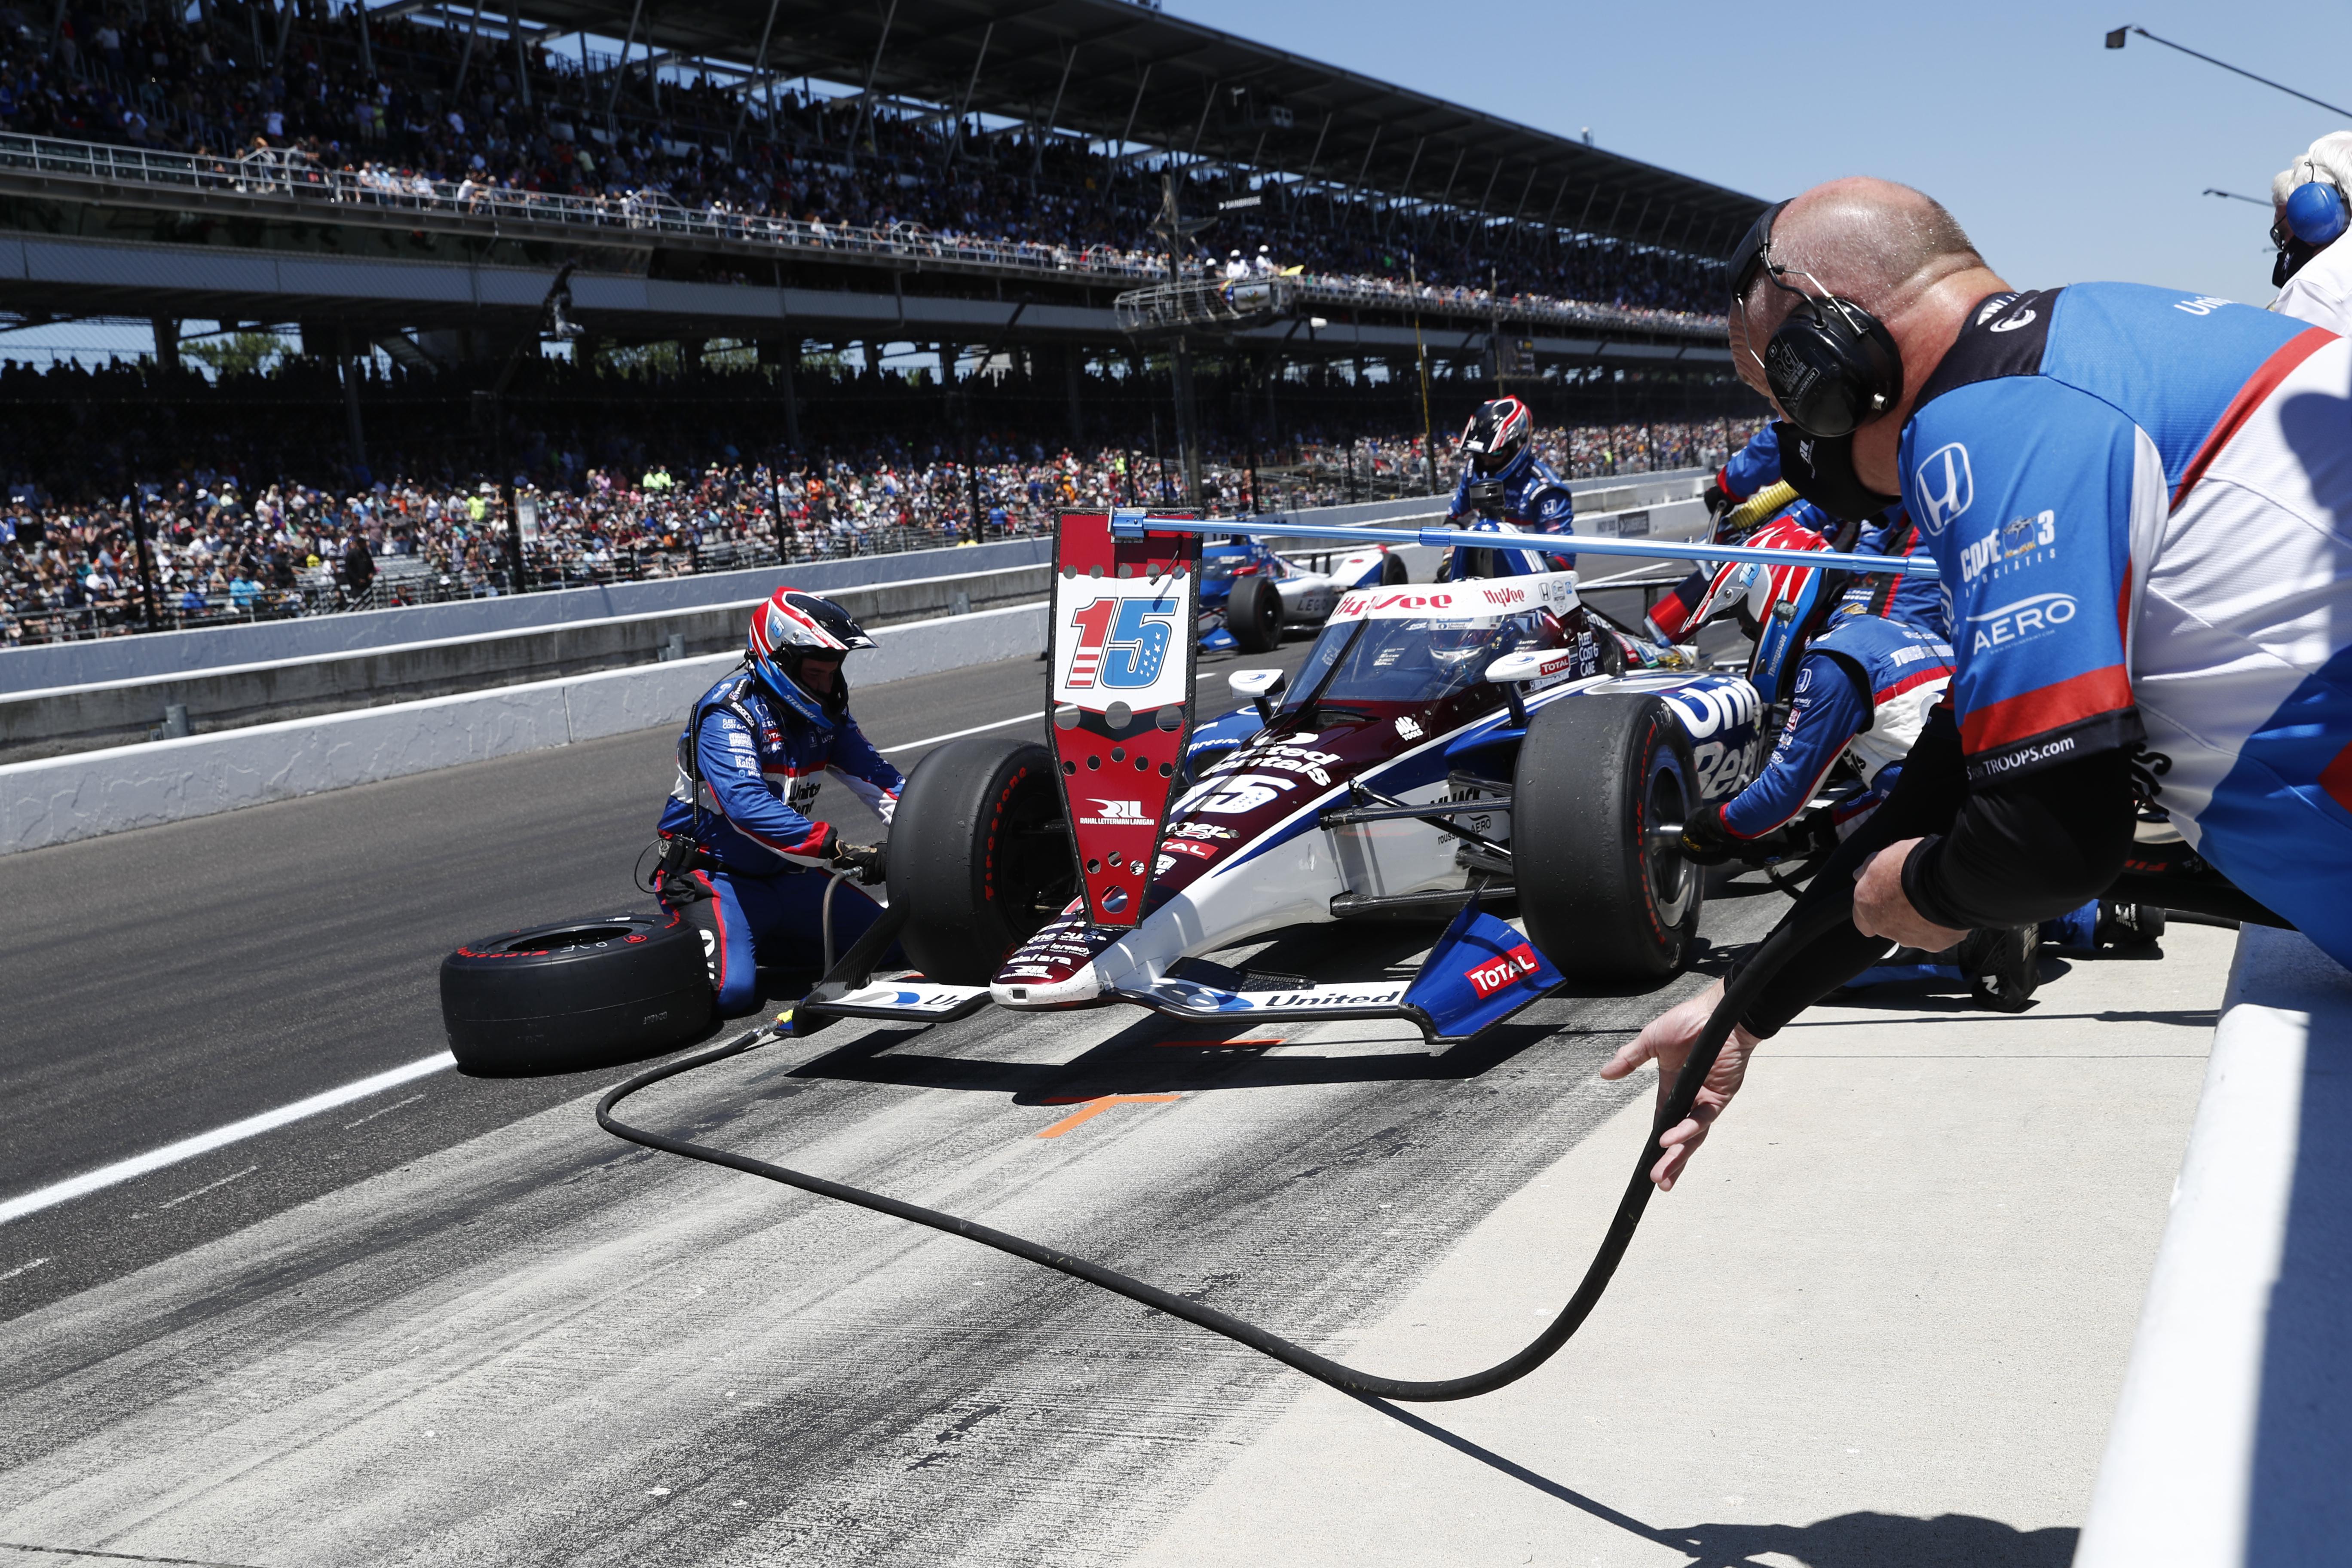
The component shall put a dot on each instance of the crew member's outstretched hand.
(1667, 1040)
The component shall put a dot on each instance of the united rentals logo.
(1497, 972)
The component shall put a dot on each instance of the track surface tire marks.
(622, 1358)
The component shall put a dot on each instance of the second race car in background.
(1250, 594)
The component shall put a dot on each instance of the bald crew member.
(2132, 494)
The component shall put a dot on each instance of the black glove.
(869, 862)
(1719, 501)
(1704, 841)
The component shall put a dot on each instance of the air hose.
(1739, 993)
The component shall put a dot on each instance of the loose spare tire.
(574, 994)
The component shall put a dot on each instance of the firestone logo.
(1497, 972)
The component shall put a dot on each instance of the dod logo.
(1497, 972)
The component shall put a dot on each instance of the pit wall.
(62, 799)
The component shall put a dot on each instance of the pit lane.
(515, 1340)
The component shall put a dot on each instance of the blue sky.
(2064, 161)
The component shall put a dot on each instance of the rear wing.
(1121, 651)
(1126, 525)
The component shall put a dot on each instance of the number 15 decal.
(1122, 643)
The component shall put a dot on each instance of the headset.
(2315, 216)
(1832, 365)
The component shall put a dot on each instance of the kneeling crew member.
(1503, 480)
(746, 864)
(1865, 686)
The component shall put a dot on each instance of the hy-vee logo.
(1497, 972)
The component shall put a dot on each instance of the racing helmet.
(1781, 606)
(1498, 435)
(791, 627)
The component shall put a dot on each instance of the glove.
(868, 862)
(1718, 500)
(1704, 841)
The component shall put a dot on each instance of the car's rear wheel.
(575, 995)
(1606, 895)
(1253, 614)
(980, 856)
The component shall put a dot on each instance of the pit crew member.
(2313, 274)
(2131, 494)
(744, 860)
(1864, 687)
(1504, 481)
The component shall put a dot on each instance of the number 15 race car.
(1448, 750)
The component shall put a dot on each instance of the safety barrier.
(173, 653)
(110, 713)
(60, 800)
(2231, 1443)
(120, 658)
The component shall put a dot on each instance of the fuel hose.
(1740, 991)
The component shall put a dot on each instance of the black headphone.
(1831, 366)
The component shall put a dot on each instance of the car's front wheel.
(1253, 614)
(980, 856)
(1605, 894)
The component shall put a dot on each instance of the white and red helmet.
(1497, 435)
(794, 625)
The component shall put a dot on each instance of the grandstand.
(802, 237)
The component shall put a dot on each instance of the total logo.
(1944, 487)
(2001, 551)
(1508, 969)
(2021, 621)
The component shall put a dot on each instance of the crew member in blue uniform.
(745, 863)
(1864, 687)
(2134, 497)
(1504, 482)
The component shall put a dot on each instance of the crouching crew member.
(1503, 481)
(745, 862)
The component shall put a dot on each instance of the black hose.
(1739, 992)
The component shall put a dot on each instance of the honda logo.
(1944, 487)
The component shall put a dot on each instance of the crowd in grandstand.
(420, 110)
(226, 546)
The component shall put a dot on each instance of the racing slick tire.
(575, 995)
(1395, 573)
(1253, 614)
(980, 854)
(1604, 896)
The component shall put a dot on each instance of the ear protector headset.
(1831, 366)
(2317, 212)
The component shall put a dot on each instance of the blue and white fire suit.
(748, 772)
(1535, 501)
(2139, 499)
(1754, 467)
(1865, 686)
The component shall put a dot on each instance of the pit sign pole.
(1121, 648)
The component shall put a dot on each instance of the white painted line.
(219, 1138)
(208, 1186)
(1038, 718)
(24, 1268)
(387, 1111)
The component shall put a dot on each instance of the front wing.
(1479, 973)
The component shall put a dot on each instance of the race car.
(1250, 595)
(1448, 751)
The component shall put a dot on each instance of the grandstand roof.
(1114, 69)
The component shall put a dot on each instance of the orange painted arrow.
(1096, 1106)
